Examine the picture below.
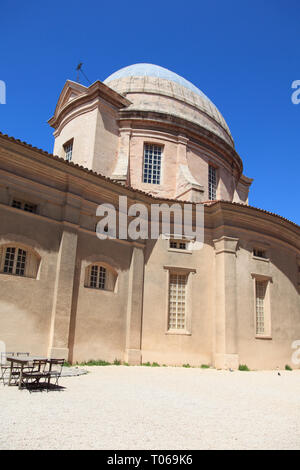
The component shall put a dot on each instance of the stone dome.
(139, 81)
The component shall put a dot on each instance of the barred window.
(178, 244)
(68, 148)
(260, 287)
(18, 261)
(152, 163)
(25, 206)
(97, 277)
(212, 183)
(177, 301)
(16, 204)
(259, 253)
(100, 277)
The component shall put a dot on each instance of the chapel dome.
(139, 81)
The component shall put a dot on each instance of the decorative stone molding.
(122, 166)
(187, 187)
(226, 245)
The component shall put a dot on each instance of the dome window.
(68, 149)
(212, 183)
(152, 164)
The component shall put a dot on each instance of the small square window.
(258, 253)
(25, 206)
(177, 244)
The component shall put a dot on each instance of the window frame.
(22, 205)
(263, 250)
(187, 243)
(170, 270)
(267, 280)
(159, 183)
(212, 166)
(111, 277)
(69, 142)
(32, 262)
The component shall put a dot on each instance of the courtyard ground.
(119, 407)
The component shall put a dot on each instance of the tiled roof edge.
(114, 182)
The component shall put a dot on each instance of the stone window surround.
(262, 246)
(161, 174)
(267, 305)
(111, 277)
(68, 148)
(188, 312)
(213, 165)
(32, 261)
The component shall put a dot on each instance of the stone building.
(150, 135)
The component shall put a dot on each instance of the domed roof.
(156, 80)
(151, 70)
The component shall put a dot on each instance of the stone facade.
(52, 310)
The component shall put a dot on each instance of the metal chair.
(55, 369)
(5, 365)
(37, 371)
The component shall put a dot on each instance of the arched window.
(100, 276)
(19, 261)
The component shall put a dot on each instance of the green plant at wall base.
(155, 364)
(287, 367)
(125, 364)
(117, 362)
(67, 364)
(95, 363)
(186, 365)
(205, 366)
(244, 367)
(147, 364)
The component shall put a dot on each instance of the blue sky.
(244, 55)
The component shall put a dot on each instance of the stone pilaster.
(122, 166)
(63, 292)
(226, 352)
(135, 307)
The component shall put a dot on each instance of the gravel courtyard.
(119, 407)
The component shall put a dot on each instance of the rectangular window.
(30, 207)
(212, 183)
(15, 261)
(9, 260)
(97, 277)
(259, 253)
(17, 204)
(177, 244)
(152, 164)
(68, 148)
(260, 287)
(177, 301)
(25, 206)
(21, 260)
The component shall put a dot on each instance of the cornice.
(95, 91)
(234, 215)
(194, 132)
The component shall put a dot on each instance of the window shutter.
(110, 280)
(31, 267)
(87, 277)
